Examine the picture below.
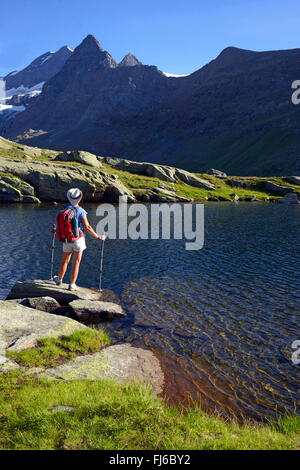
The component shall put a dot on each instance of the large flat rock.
(122, 362)
(44, 288)
(21, 326)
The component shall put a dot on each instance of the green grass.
(107, 415)
(52, 351)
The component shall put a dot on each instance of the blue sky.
(177, 36)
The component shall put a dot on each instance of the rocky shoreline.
(33, 175)
(40, 309)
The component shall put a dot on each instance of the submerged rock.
(121, 362)
(289, 198)
(96, 310)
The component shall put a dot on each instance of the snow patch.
(47, 58)
(22, 91)
(174, 75)
(13, 73)
(9, 107)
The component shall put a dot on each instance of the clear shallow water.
(227, 313)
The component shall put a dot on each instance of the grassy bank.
(50, 352)
(107, 415)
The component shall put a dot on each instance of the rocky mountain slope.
(235, 113)
(24, 85)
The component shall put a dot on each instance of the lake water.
(223, 318)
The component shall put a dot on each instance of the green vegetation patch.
(107, 415)
(50, 352)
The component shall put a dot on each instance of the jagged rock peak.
(89, 53)
(129, 61)
(89, 43)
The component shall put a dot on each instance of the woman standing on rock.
(70, 226)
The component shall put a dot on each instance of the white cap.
(74, 195)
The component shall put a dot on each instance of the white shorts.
(78, 245)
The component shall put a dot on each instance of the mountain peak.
(90, 55)
(129, 61)
(90, 43)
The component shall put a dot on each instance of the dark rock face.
(40, 70)
(277, 188)
(234, 113)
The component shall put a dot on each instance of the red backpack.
(67, 225)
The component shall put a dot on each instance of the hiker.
(71, 223)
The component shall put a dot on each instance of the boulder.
(293, 180)
(193, 180)
(116, 189)
(289, 198)
(277, 188)
(96, 310)
(85, 158)
(217, 173)
(45, 304)
(121, 362)
(22, 326)
(162, 195)
(234, 197)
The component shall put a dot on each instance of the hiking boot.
(72, 287)
(57, 281)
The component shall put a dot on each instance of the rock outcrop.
(277, 188)
(22, 326)
(46, 181)
(44, 288)
(162, 172)
(121, 362)
(85, 304)
(217, 173)
(13, 189)
(293, 180)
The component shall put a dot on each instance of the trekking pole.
(103, 236)
(52, 252)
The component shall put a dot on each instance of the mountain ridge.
(234, 113)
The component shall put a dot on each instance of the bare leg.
(75, 266)
(64, 264)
